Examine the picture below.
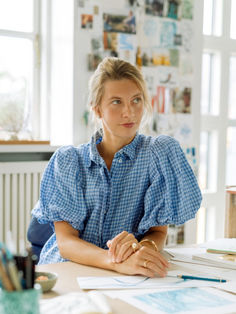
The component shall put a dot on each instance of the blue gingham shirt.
(150, 183)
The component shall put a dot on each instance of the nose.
(127, 110)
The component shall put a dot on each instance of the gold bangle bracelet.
(150, 241)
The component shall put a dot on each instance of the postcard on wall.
(87, 21)
(168, 32)
(186, 29)
(173, 9)
(127, 55)
(119, 23)
(183, 132)
(149, 32)
(182, 100)
(154, 7)
(187, 9)
(167, 76)
(186, 64)
(126, 42)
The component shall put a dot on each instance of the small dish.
(46, 280)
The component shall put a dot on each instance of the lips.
(128, 125)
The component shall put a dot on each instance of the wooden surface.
(24, 142)
(67, 274)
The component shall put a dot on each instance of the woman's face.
(121, 109)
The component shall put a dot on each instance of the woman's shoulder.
(160, 143)
(69, 154)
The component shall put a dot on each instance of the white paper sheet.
(140, 282)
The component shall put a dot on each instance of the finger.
(124, 249)
(123, 244)
(146, 254)
(114, 243)
(156, 255)
(155, 268)
(131, 251)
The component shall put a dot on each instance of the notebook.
(226, 260)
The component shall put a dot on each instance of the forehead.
(121, 88)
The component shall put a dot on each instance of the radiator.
(19, 191)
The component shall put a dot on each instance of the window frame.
(226, 47)
(35, 38)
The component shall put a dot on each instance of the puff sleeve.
(173, 196)
(60, 194)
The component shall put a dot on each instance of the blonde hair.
(112, 69)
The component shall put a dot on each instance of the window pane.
(16, 66)
(208, 161)
(212, 18)
(210, 83)
(16, 15)
(232, 88)
(233, 20)
(231, 157)
(210, 224)
(201, 225)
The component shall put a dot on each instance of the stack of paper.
(220, 260)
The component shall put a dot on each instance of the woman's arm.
(77, 250)
(156, 234)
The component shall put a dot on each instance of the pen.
(200, 278)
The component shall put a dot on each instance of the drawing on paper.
(189, 299)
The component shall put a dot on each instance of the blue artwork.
(125, 42)
(188, 299)
(168, 33)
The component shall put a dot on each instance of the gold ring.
(134, 246)
(145, 263)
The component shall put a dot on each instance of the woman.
(110, 201)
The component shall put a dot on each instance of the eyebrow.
(118, 97)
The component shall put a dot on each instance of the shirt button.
(120, 160)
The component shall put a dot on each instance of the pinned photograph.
(168, 33)
(182, 100)
(126, 41)
(162, 100)
(119, 23)
(187, 9)
(110, 41)
(173, 9)
(96, 10)
(93, 61)
(154, 7)
(174, 57)
(80, 3)
(87, 21)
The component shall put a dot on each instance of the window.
(218, 115)
(19, 69)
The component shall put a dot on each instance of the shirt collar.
(93, 154)
(130, 149)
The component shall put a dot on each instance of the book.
(222, 246)
(221, 260)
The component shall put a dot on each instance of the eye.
(137, 100)
(116, 102)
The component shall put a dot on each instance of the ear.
(97, 111)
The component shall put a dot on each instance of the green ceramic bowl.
(47, 284)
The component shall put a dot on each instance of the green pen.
(200, 278)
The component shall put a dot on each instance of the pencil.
(200, 278)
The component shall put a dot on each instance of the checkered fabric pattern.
(150, 183)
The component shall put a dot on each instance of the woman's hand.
(120, 247)
(145, 262)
